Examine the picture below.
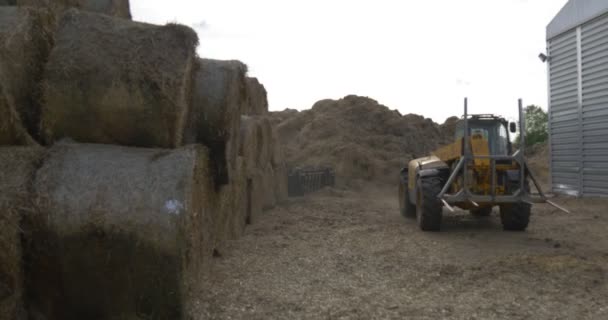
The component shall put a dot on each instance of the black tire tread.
(429, 211)
(515, 217)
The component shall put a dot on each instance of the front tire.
(428, 207)
(515, 216)
(407, 209)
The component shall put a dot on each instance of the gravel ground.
(343, 255)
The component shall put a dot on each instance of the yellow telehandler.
(476, 172)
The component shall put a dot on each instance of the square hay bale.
(116, 8)
(125, 231)
(257, 98)
(115, 81)
(17, 168)
(214, 120)
(26, 37)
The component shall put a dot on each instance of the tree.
(537, 125)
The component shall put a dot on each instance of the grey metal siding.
(563, 112)
(594, 48)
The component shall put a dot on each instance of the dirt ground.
(343, 255)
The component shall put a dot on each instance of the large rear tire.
(407, 209)
(428, 207)
(481, 212)
(516, 216)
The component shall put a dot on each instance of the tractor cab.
(490, 129)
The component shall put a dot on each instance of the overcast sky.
(415, 56)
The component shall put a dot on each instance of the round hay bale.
(131, 230)
(232, 205)
(268, 186)
(257, 98)
(26, 38)
(117, 8)
(250, 142)
(17, 168)
(280, 183)
(255, 195)
(115, 81)
(214, 120)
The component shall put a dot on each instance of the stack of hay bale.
(125, 161)
(265, 166)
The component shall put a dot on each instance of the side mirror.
(512, 127)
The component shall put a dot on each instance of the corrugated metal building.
(577, 46)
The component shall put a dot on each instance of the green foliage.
(537, 125)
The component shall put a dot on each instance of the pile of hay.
(115, 81)
(361, 139)
(17, 167)
(127, 230)
(26, 37)
(214, 120)
(117, 8)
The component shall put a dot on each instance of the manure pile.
(361, 139)
(126, 161)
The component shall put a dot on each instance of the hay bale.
(7, 2)
(219, 92)
(26, 38)
(268, 186)
(256, 150)
(232, 205)
(115, 81)
(257, 98)
(116, 8)
(131, 231)
(280, 183)
(17, 167)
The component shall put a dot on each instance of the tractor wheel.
(428, 207)
(515, 216)
(481, 212)
(406, 208)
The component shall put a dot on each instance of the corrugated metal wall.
(564, 121)
(594, 42)
(578, 111)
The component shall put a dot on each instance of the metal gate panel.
(594, 51)
(563, 113)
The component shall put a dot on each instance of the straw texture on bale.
(131, 230)
(117, 8)
(26, 37)
(114, 81)
(214, 120)
(232, 205)
(279, 168)
(257, 99)
(17, 168)
(254, 149)
(268, 185)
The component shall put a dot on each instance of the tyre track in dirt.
(345, 255)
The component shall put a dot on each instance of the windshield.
(493, 131)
